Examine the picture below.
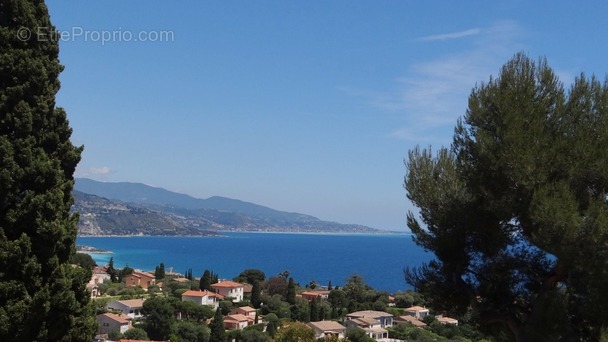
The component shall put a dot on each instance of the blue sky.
(306, 106)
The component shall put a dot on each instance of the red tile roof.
(122, 319)
(193, 293)
(227, 284)
(237, 318)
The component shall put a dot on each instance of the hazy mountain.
(214, 213)
(101, 216)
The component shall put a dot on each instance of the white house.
(371, 326)
(203, 298)
(327, 328)
(109, 321)
(417, 311)
(230, 289)
(130, 307)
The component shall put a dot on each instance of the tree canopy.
(42, 297)
(516, 211)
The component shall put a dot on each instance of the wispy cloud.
(451, 35)
(433, 94)
(94, 171)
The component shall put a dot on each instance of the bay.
(378, 258)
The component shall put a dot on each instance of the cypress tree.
(42, 297)
(159, 272)
(291, 292)
(314, 310)
(205, 281)
(218, 333)
(256, 293)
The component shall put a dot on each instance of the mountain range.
(138, 209)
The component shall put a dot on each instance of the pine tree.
(516, 208)
(218, 333)
(42, 297)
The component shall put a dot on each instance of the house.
(203, 298)
(371, 326)
(130, 307)
(247, 288)
(392, 301)
(385, 319)
(327, 328)
(312, 295)
(246, 311)
(109, 321)
(230, 289)
(417, 311)
(99, 275)
(139, 278)
(409, 319)
(237, 321)
(446, 320)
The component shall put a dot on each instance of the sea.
(379, 258)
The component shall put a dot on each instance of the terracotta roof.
(446, 320)
(327, 326)
(144, 273)
(193, 293)
(236, 318)
(411, 319)
(369, 313)
(376, 330)
(132, 303)
(122, 319)
(416, 308)
(245, 308)
(227, 284)
(364, 321)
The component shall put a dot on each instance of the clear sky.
(304, 106)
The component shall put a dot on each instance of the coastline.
(221, 233)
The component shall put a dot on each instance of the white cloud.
(452, 35)
(94, 171)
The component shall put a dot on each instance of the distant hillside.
(214, 213)
(100, 216)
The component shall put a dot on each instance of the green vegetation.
(42, 297)
(83, 260)
(516, 211)
(217, 327)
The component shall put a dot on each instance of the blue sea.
(379, 259)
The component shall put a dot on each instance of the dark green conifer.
(206, 281)
(256, 293)
(218, 333)
(42, 297)
(291, 292)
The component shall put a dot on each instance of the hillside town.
(163, 305)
